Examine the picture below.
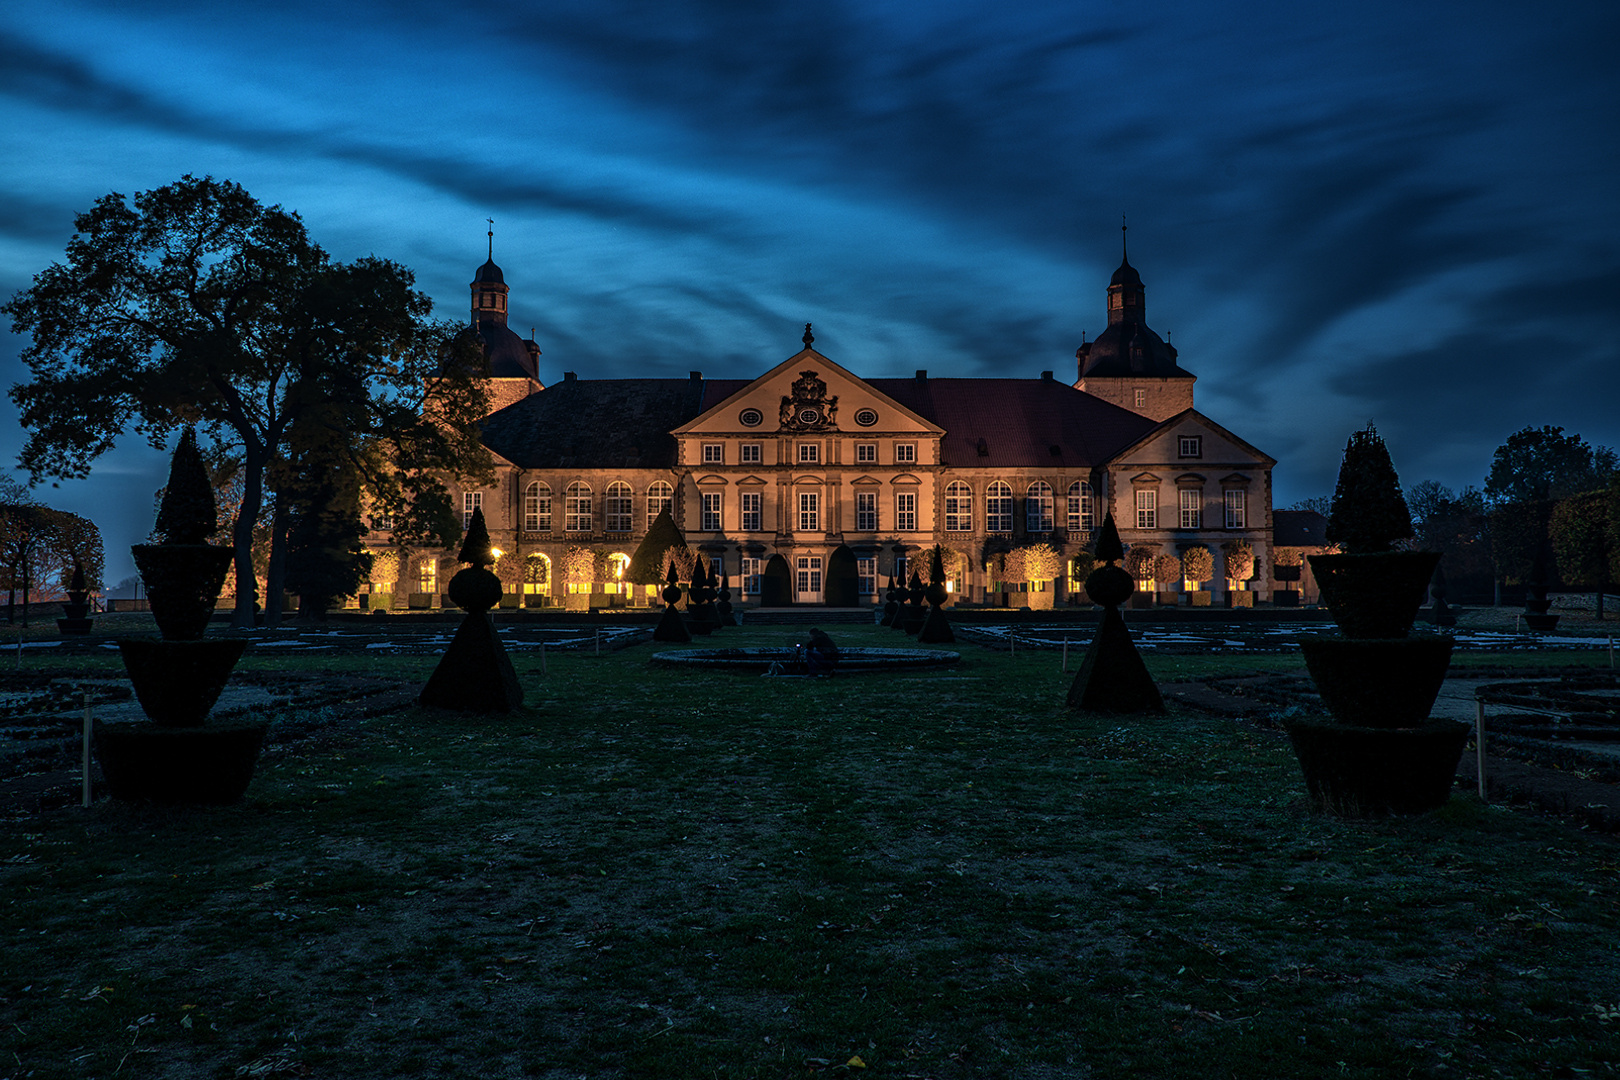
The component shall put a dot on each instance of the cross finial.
(1124, 251)
(808, 336)
(491, 238)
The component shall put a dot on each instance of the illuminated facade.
(809, 456)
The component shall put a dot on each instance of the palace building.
(1011, 476)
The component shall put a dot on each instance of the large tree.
(1543, 463)
(194, 303)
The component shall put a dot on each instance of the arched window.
(1082, 510)
(1038, 508)
(958, 507)
(619, 507)
(658, 500)
(537, 507)
(998, 507)
(578, 507)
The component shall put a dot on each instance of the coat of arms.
(808, 408)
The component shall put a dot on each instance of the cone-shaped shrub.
(1369, 512)
(475, 547)
(647, 564)
(843, 582)
(187, 513)
(776, 583)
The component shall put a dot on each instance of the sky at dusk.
(1400, 212)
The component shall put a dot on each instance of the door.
(807, 582)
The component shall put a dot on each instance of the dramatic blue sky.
(1400, 212)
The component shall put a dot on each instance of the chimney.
(1046, 376)
(695, 376)
(568, 376)
(922, 376)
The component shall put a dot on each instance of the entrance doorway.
(807, 582)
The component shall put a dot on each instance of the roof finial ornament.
(1124, 250)
(808, 338)
(491, 238)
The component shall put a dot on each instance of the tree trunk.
(247, 586)
(276, 574)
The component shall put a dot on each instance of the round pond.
(790, 659)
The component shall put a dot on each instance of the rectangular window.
(809, 511)
(809, 453)
(1192, 446)
(618, 508)
(865, 576)
(427, 576)
(751, 569)
(905, 453)
(717, 567)
(1140, 397)
(711, 511)
(470, 501)
(752, 518)
(865, 453)
(905, 511)
(579, 508)
(1082, 510)
(749, 453)
(866, 511)
(1237, 501)
(958, 508)
(714, 453)
(537, 510)
(1192, 508)
(1147, 508)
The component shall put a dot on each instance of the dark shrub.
(843, 583)
(1369, 512)
(188, 510)
(776, 583)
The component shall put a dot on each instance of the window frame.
(752, 511)
(866, 511)
(1190, 446)
(578, 510)
(905, 453)
(1082, 509)
(959, 507)
(619, 508)
(998, 507)
(1147, 508)
(1191, 501)
(714, 453)
(905, 511)
(809, 453)
(537, 507)
(1040, 508)
(713, 511)
(809, 506)
(660, 497)
(866, 453)
(1242, 515)
(750, 453)
(470, 501)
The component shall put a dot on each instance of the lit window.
(752, 518)
(577, 503)
(470, 501)
(537, 507)
(658, 500)
(866, 511)
(809, 453)
(905, 453)
(714, 453)
(1082, 510)
(619, 507)
(1038, 508)
(998, 508)
(749, 453)
(809, 511)
(1147, 508)
(958, 507)
(1192, 508)
(1236, 508)
(427, 576)
(865, 453)
(711, 511)
(1192, 446)
(905, 511)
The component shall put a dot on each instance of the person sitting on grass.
(820, 654)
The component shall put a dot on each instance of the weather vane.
(491, 238)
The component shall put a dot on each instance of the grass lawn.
(653, 873)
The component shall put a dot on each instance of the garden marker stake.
(1479, 745)
(1065, 653)
(87, 723)
(542, 659)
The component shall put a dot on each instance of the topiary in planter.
(1355, 771)
(1378, 683)
(177, 682)
(209, 765)
(1380, 754)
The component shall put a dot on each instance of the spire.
(489, 287)
(1126, 302)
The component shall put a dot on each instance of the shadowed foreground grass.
(671, 874)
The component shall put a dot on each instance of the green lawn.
(653, 873)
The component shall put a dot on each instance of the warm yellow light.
(497, 552)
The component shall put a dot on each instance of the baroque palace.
(810, 455)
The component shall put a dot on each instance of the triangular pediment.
(808, 395)
(1215, 444)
